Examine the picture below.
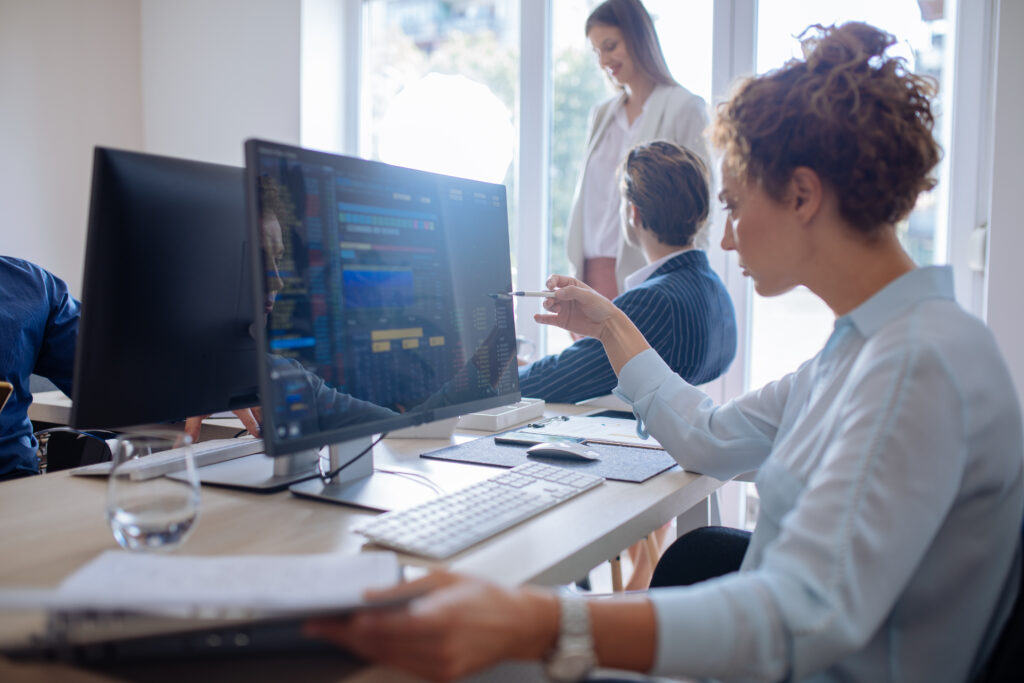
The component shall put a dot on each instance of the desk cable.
(324, 463)
(327, 475)
(417, 477)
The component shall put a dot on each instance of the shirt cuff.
(718, 628)
(641, 376)
(639, 381)
(691, 632)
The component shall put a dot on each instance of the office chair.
(1006, 663)
(67, 448)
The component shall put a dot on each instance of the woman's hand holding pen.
(576, 307)
(580, 309)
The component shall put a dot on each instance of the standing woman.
(652, 106)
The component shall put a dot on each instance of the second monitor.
(166, 309)
(383, 303)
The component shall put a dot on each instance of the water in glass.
(157, 513)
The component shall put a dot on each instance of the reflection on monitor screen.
(383, 296)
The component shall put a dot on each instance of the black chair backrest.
(68, 449)
(1007, 660)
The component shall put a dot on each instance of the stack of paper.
(210, 586)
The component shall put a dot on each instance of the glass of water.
(155, 513)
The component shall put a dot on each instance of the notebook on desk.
(621, 463)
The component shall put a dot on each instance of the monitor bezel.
(274, 446)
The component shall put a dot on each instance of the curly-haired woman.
(889, 465)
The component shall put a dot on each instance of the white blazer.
(671, 113)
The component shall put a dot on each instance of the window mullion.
(533, 117)
(969, 154)
(734, 53)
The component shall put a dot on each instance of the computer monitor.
(167, 293)
(383, 303)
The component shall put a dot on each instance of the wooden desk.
(53, 524)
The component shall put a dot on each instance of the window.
(578, 85)
(428, 57)
(789, 329)
(439, 87)
(550, 74)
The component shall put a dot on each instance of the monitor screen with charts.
(383, 299)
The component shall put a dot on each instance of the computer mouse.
(564, 450)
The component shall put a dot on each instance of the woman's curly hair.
(859, 119)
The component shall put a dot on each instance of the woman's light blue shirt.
(890, 475)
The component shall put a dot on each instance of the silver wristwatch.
(573, 657)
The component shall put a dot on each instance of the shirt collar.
(638, 276)
(897, 297)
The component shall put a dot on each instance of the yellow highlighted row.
(404, 333)
(383, 345)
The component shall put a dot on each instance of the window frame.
(734, 52)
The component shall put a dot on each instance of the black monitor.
(166, 297)
(383, 303)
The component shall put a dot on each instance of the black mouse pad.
(621, 463)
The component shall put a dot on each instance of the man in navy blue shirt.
(38, 330)
(676, 301)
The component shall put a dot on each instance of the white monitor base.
(379, 491)
(260, 473)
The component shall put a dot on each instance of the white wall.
(215, 72)
(1004, 307)
(190, 78)
(69, 80)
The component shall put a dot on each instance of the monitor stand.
(438, 429)
(359, 485)
(260, 472)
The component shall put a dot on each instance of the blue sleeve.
(581, 371)
(56, 360)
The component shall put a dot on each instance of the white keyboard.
(173, 459)
(447, 525)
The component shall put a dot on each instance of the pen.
(546, 295)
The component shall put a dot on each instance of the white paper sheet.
(120, 580)
(610, 430)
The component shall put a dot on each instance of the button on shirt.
(887, 546)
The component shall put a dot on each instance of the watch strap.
(573, 657)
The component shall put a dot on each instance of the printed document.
(610, 430)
